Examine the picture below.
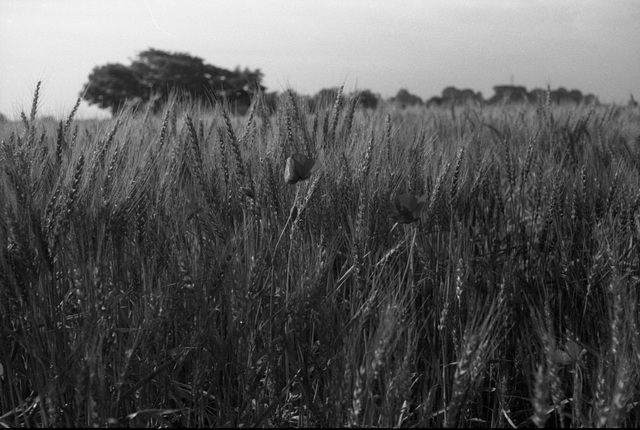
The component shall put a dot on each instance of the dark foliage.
(367, 100)
(405, 98)
(154, 74)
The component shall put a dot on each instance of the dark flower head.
(248, 192)
(571, 354)
(299, 168)
(407, 208)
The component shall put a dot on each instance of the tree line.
(154, 74)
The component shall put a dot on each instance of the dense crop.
(464, 267)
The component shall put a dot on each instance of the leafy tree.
(111, 85)
(405, 98)
(326, 96)
(154, 74)
(367, 99)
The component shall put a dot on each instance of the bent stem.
(271, 269)
(410, 259)
(291, 215)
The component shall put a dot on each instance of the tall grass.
(158, 270)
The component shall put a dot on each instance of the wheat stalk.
(235, 148)
(34, 103)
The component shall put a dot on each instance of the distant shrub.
(404, 98)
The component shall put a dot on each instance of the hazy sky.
(421, 45)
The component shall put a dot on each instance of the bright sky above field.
(421, 45)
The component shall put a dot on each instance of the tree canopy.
(367, 99)
(154, 74)
(405, 98)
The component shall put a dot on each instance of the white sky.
(421, 45)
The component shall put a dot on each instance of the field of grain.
(466, 267)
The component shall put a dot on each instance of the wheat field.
(463, 267)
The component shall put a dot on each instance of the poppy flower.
(248, 192)
(407, 208)
(571, 355)
(299, 168)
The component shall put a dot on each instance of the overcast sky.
(421, 45)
